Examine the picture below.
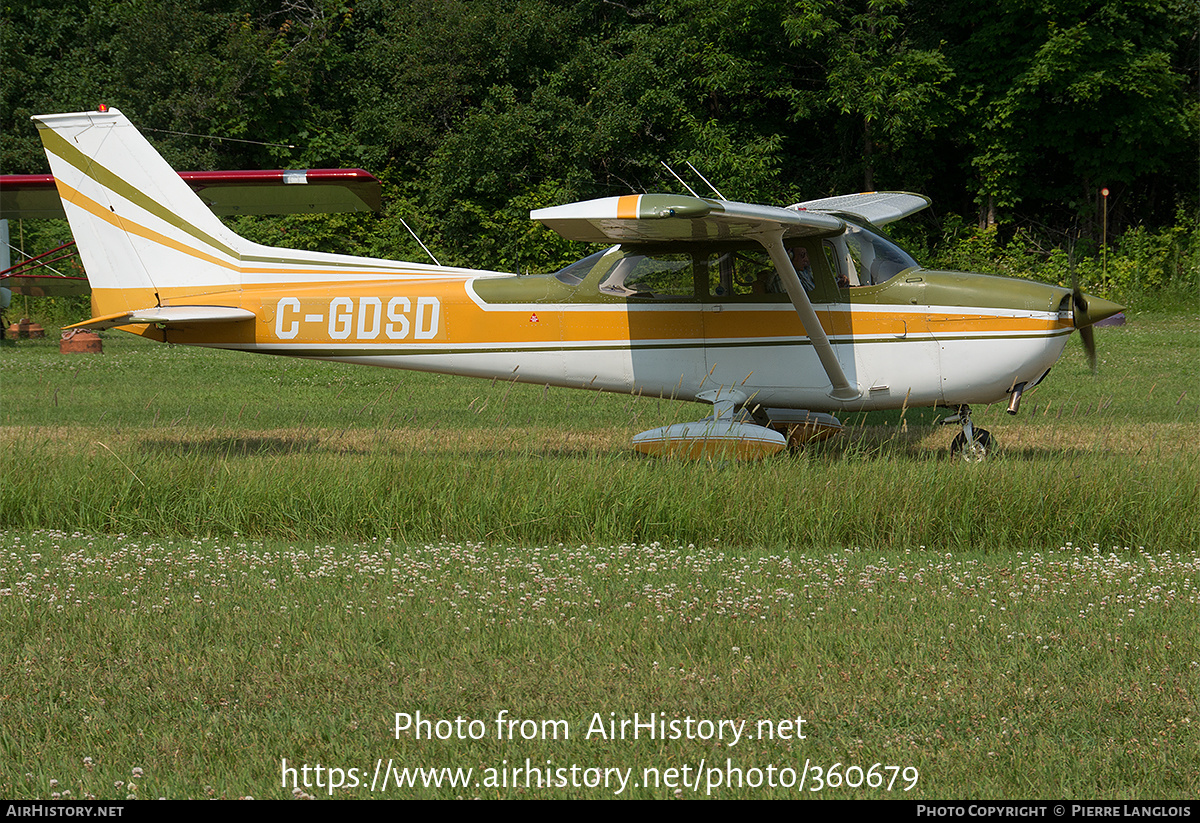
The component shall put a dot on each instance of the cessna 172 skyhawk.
(777, 316)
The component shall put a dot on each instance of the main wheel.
(971, 452)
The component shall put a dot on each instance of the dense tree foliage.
(475, 111)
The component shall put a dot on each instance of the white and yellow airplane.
(779, 317)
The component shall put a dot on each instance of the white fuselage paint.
(891, 370)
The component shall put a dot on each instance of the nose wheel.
(971, 445)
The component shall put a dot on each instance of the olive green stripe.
(956, 337)
(318, 352)
(855, 341)
(56, 143)
(110, 180)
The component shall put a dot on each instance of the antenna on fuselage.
(419, 243)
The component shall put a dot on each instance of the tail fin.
(142, 233)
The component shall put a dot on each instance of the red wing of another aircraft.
(282, 191)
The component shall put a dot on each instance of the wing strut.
(772, 241)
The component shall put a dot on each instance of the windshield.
(872, 259)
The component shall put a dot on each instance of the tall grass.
(468, 486)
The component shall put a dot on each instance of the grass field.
(211, 562)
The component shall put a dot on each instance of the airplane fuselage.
(923, 338)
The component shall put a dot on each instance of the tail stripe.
(145, 236)
(77, 198)
(109, 180)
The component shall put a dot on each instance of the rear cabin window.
(575, 273)
(651, 276)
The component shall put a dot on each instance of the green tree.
(871, 72)
(1069, 97)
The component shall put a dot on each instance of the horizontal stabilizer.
(878, 207)
(168, 316)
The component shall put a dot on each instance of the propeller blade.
(1089, 345)
(1079, 314)
(1079, 308)
(1082, 320)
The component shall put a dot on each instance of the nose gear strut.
(971, 444)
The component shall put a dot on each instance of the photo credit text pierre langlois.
(523, 773)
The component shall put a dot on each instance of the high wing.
(652, 218)
(877, 207)
(649, 218)
(282, 191)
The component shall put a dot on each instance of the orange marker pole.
(1104, 238)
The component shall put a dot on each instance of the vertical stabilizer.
(142, 233)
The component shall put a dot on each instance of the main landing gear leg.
(971, 444)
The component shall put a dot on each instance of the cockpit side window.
(749, 274)
(741, 273)
(840, 262)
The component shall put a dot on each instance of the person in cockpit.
(803, 268)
